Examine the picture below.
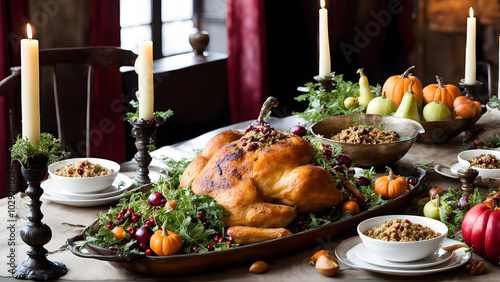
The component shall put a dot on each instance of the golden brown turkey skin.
(264, 187)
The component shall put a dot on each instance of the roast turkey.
(262, 177)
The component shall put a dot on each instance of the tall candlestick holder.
(143, 131)
(470, 90)
(36, 234)
(328, 83)
(467, 177)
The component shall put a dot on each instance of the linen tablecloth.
(67, 221)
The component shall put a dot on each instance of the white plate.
(345, 252)
(83, 203)
(441, 256)
(119, 186)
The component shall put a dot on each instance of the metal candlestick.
(467, 177)
(327, 83)
(35, 233)
(470, 89)
(143, 131)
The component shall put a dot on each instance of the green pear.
(435, 207)
(382, 106)
(350, 102)
(409, 106)
(436, 111)
(365, 93)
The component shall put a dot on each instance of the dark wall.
(375, 35)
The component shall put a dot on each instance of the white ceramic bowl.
(84, 185)
(465, 156)
(402, 251)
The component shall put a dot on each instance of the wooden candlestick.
(36, 234)
(327, 83)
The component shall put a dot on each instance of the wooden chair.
(65, 64)
(62, 60)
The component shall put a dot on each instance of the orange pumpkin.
(165, 242)
(351, 207)
(444, 93)
(396, 86)
(390, 186)
(464, 107)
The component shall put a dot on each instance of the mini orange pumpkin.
(351, 207)
(479, 108)
(396, 86)
(464, 107)
(390, 186)
(165, 242)
(444, 93)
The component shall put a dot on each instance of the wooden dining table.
(67, 221)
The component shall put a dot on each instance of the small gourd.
(165, 242)
(464, 107)
(444, 93)
(390, 186)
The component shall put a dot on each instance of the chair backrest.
(60, 60)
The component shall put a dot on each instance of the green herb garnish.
(324, 104)
(48, 147)
(134, 116)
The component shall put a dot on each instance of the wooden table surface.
(66, 221)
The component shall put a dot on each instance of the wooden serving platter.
(190, 263)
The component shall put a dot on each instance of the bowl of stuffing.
(402, 238)
(486, 162)
(84, 175)
(370, 140)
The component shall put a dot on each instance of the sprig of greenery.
(134, 116)
(324, 104)
(48, 147)
(494, 102)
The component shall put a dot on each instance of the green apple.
(381, 106)
(436, 111)
(437, 208)
(351, 102)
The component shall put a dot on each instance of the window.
(167, 22)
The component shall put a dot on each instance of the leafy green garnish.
(494, 102)
(324, 104)
(48, 147)
(494, 140)
(134, 116)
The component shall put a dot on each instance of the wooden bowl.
(186, 264)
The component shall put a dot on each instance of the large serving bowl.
(437, 132)
(368, 155)
(402, 251)
(84, 184)
(464, 157)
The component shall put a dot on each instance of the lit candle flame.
(471, 12)
(29, 32)
(322, 4)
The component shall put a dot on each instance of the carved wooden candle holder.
(328, 83)
(143, 131)
(36, 234)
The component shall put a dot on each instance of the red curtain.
(247, 62)
(13, 15)
(108, 128)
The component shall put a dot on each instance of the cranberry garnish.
(252, 147)
(206, 224)
(248, 128)
(210, 247)
(412, 181)
(194, 220)
(150, 222)
(201, 213)
(134, 218)
(195, 249)
(79, 171)
(299, 130)
(148, 252)
(118, 216)
(355, 128)
(143, 246)
(112, 248)
(327, 152)
(218, 234)
(110, 226)
(345, 160)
